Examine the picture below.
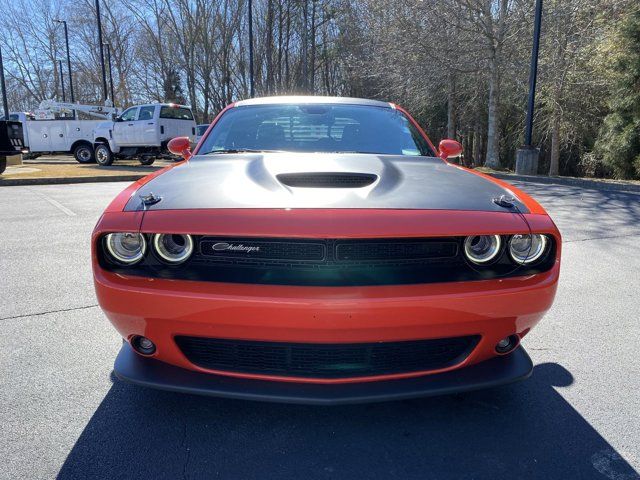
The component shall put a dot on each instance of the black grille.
(259, 249)
(326, 179)
(319, 253)
(359, 250)
(315, 360)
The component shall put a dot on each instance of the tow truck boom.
(105, 112)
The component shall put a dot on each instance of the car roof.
(174, 105)
(313, 100)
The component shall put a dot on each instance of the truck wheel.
(104, 157)
(147, 160)
(83, 153)
(3, 164)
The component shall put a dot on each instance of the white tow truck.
(143, 132)
(55, 128)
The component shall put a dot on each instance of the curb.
(11, 182)
(571, 181)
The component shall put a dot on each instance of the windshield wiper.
(354, 151)
(237, 150)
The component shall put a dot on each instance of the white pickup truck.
(143, 132)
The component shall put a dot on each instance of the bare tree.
(459, 65)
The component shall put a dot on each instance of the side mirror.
(180, 146)
(449, 149)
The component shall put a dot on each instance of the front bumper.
(163, 309)
(153, 373)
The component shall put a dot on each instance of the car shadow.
(524, 430)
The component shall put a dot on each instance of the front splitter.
(148, 372)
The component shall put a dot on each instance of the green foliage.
(173, 88)
(619, 140)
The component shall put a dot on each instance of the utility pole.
(66, 41)
(105, 93)
(64, 97)
(527, 155)
(113, 98)
(251, 84)
(5, 103)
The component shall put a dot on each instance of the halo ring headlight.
(173, 248)
(526, 249)
(125, 248)
(481, 249)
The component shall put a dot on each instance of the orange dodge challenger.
(322, 250)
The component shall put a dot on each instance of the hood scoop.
(327, 179)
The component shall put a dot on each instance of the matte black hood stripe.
(251, 181)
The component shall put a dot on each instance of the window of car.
(14, 117)
(146, 113)
(317, 128)
(175, 112)
(129, 114)
(201, 129)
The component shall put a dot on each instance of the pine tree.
(172, 88)
(619, 140)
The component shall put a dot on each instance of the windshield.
(14, 117)
(316, 128)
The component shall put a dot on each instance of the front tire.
(104, 156)
(3, 164)
(147, 160)
(83, 153)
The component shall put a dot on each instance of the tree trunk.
(280, 25)
(554, 163)
(312, 60)
(269, 47)
(477, 140)
(492, 159)
(305, 46)
(451, 109)
(287, 76)
(325, 55)
(464, 160)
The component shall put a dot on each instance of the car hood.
(319, 180)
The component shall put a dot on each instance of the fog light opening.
(143, 345)
(507, 344)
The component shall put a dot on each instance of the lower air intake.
(314, 360)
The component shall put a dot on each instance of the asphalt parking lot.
(63, 413)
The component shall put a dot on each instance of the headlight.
(482, 248)
(125, 247)
(527, 248)
(172, 247)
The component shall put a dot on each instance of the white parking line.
(53, 202)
